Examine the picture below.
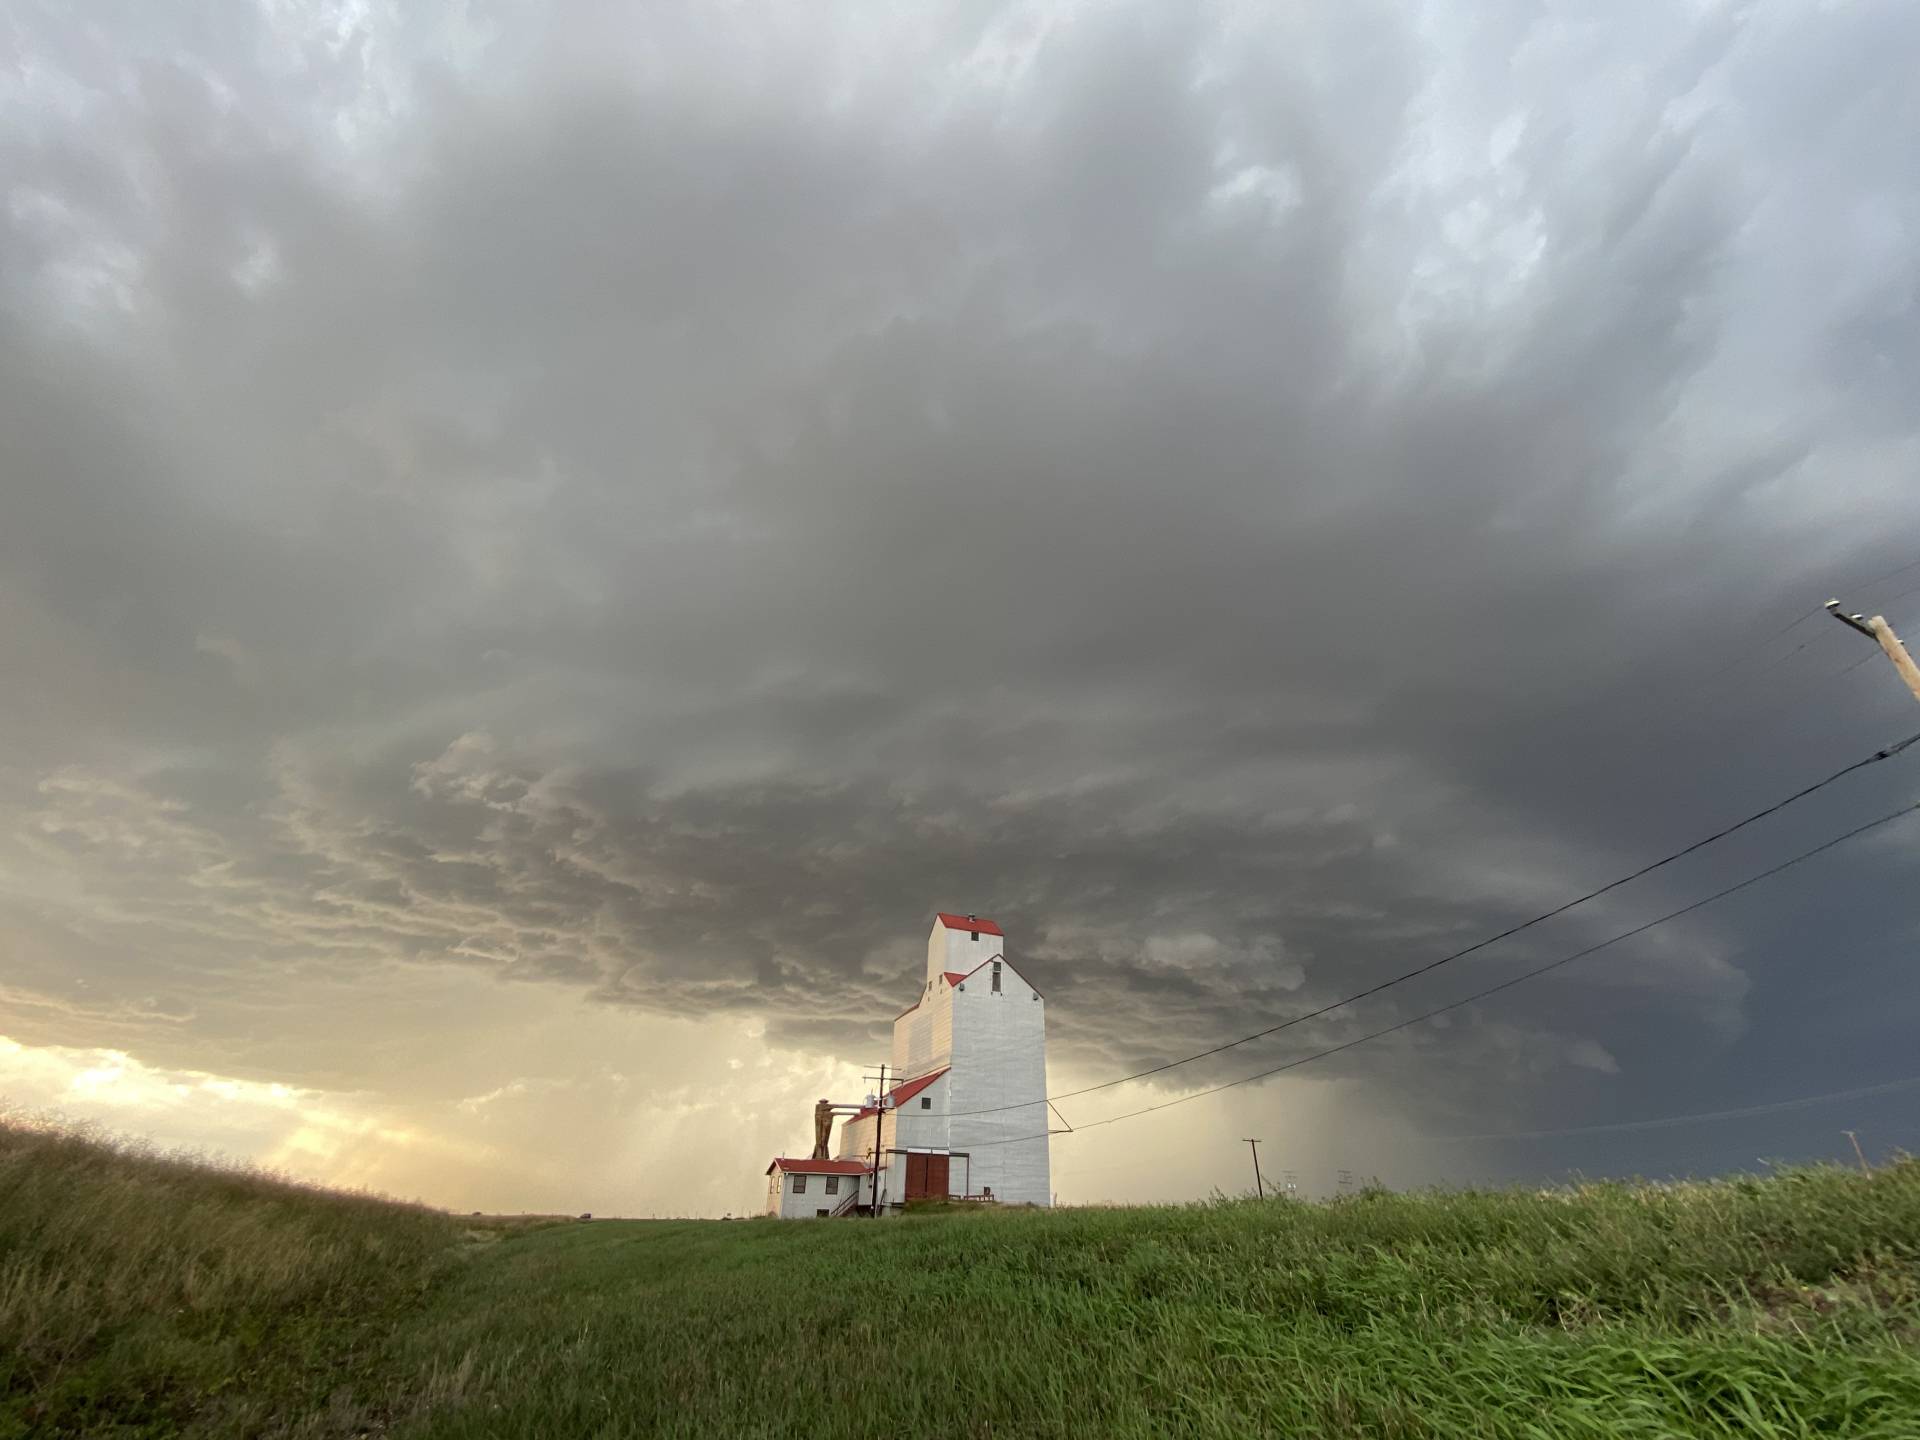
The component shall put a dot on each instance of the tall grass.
(1785, 1306)
(145, 1292)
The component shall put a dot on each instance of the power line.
(1897, 570)
(1910, 590)
(1506, 984)
(1741, 659)
(1705, 699)
(1666, 1121)
(1400, 979)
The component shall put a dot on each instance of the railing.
(847, 1204)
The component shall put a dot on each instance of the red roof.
(906, 1092)
(818, 1167)
(954, 977)
(900, 1094)
(978, 922)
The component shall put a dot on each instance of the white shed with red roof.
(814, 1189)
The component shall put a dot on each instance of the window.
(833, 1184)
(973, 935)
(799, 1184)
(996, 977)
(822, 1214)
(926, 1102)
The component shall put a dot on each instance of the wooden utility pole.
(1879, 630)
(1864, 1167)
(1259, 1185)
(879, 1138)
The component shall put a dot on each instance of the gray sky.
(539, 545)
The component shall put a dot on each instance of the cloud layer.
(643, 511)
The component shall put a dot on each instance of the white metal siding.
(804, 1207)
(917, 1127)
(856, 1138)
(923, 1038)
(1000, 1066)
(957, 950)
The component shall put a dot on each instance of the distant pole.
(1879, 630)
(1259, 1185)
(1866, 1168)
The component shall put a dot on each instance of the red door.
(926, 1177)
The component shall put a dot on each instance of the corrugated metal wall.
(999, 1060)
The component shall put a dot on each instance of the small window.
(822, 1214)
(926, 1102)
(833, 1184)
(996, 977)
(974, 935)
(799, 1184)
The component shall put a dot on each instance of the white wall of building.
(923, 1036)
(999, 1061)
(922, 1124)
(957, 950)
(791, 1204)
(856, 1138)
(856, 1143)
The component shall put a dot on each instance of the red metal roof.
(818, 1167)
(900, 1094)
(978, 922)
(954, 977)
(906, 1092)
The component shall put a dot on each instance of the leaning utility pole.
(1259, 1185)
(1878, 629)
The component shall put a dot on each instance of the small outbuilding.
(816, 1189)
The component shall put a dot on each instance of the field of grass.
(150, 1294)
(139, 1296)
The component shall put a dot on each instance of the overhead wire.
(1875, 758)
(1884, 754)
(1465, 1000)
(1808, 686)
(1897, 570)
(1803, 1102)
(1705, 697)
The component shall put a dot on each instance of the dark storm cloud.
(1246, 505)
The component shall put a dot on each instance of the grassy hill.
(141, 1295)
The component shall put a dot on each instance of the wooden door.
(937, 1176)
(927, 1177)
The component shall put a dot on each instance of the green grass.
(144, 1293)
(1784, 1306)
